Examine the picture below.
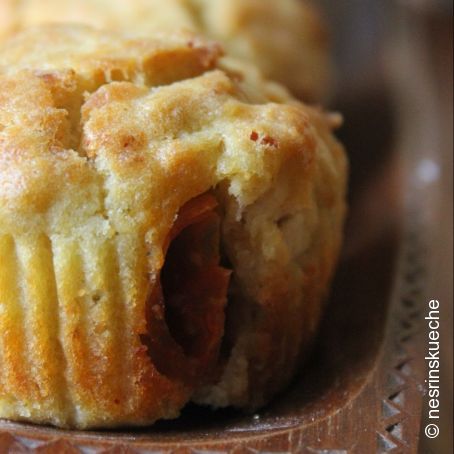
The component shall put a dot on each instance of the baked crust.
(103, 139)
(286, 39)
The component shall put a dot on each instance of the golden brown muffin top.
(105, 131)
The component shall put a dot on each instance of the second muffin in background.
(284, 38)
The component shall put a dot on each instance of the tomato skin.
(186, 311)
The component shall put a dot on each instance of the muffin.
(168, 228)
(284, 38)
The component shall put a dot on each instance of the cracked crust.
(285, 39)
(103, 139)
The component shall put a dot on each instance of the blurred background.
(395, 89)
